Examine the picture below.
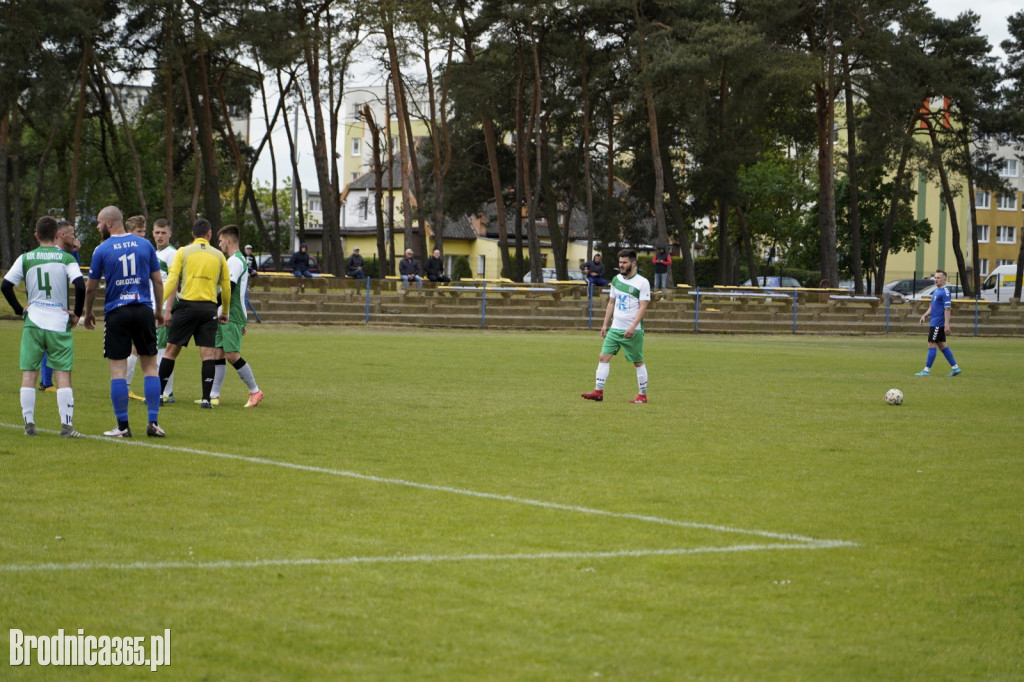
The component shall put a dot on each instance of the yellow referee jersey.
(201, 269)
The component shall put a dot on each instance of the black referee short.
(129, 325)
(193, 319)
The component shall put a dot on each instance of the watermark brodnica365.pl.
(83, 649)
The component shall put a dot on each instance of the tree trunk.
(897, 198)
(748, 247)
(853, 171)
(211, 173)
(947, 196)
(405, 152)
(79, 123)
(322, 153)
(169, 148)
(825, 118)
(140, 194)
(652, 126)
(682, 228)
(491, 144)
(378, 192)
(588, 186)
(7, 228)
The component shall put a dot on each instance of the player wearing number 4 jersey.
(129, 265)
(48, 323)
(628, 297)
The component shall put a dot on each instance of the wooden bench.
(841, 300)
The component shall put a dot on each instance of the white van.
(999, 284)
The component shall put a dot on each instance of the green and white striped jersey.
(47, 271)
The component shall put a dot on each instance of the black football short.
(193, 319)
(936, 335)
(129, 325)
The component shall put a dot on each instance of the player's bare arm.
(156, 277)
(89, 319)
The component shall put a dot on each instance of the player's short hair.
(135, 222)
(628, 253)
(46, 228)
(943, 273)
(163, 222)
(230, 231)
(63, 224)
(201, 228)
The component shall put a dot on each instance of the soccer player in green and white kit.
(228, 346)
(48, 323)
(165, 253)
(629, 295)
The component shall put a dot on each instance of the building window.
(363, 208)
(481, 265)
(1004, 261)
(982, 232)
(1006, 234)
(314, 204)
(983, 266)
(1007, 202)
(1008, 169)
(357, 146)
(982, 200)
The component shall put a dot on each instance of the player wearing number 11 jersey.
(129, 264)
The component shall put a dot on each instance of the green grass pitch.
(437, 505)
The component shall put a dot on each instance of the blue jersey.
(941, 300)
(126, 262)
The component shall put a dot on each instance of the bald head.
(110, 221)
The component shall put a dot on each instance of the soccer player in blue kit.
(129, 264)
(939, 310)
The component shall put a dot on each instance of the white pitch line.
(474, 493)
(413, 559)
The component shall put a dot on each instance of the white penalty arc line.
(809, 542)
(412, 559)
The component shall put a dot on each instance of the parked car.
(548, 275)
(925, 294)
(851, 286)
(903, 288)
(773, 282)
(265, 263)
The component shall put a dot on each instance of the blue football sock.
(151, 385)
(932, 352)
(45, 373)
(949, 356)
(119, 397)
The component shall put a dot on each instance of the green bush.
(705, 271)
(461, 269)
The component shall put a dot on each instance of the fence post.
(590, 305)
(483, 305)
(696, 312)
(794, 312)
(367, 299)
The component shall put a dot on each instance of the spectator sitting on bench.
(354, 265)
(435, 268)
(594, 270)
(300, 262)
(409, 269)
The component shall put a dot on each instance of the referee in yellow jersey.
(202, 273)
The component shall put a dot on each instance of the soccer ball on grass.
(894, 396)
